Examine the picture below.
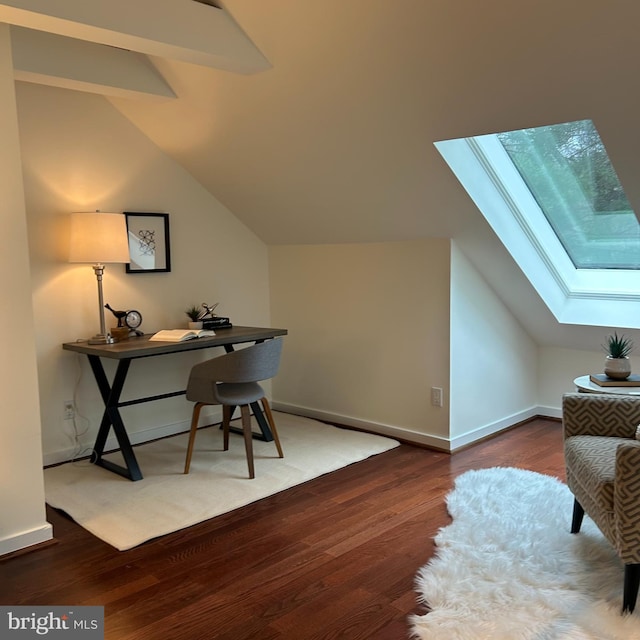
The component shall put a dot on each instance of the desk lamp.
(99, 238)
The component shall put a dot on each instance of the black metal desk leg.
(112, 418)
(258, 414)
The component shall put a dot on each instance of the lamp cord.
(79, 449)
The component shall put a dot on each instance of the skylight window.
(568, 171)
(552, 196)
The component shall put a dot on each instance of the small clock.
(130, 319)
(133, 319)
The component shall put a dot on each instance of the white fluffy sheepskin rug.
(507, 568)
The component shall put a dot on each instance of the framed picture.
(149, 247)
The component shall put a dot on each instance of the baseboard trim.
(406, 435)
(423, 439)
(550, 412)
(25, 539)
(491, 429)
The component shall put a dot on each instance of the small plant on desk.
(193, 313)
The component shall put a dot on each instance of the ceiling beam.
(53, 60)
(183, 30)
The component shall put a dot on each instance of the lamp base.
(101, 339)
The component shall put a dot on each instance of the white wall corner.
(26, 539)
(491, 429)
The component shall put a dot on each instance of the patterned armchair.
(602, 459)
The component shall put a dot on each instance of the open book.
(180, 335)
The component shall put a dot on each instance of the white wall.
(22, 519)
(368, 334)
(80, 154)
(494, 362)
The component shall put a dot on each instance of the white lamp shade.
(98, 238)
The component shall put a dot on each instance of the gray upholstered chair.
(602, 459)
(231, 380)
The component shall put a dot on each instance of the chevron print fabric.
(602, 459)
(627, 501)
(591, 460)
(601, 415)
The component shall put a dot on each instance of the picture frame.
(149, 245)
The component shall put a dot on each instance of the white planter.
(617, 368)
(195, 325)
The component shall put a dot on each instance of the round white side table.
(583, 383)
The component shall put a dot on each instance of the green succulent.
(193, 312)
(618, 346)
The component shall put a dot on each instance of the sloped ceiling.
(335, 142)
(329, 137)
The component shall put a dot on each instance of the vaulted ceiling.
(334, 143)
(314, 122)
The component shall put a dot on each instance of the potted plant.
(193, 312)
(618, 348)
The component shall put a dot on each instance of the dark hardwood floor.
(333, 558)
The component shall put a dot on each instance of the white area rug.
(508, 568)
(125, 513)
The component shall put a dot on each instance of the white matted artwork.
(149, 248)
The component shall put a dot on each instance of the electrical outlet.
(69, 410)
(436, 396)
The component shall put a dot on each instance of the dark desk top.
(141, 347)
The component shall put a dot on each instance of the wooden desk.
(140, 347)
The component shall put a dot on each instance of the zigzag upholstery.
(627, 501)
(602, 459)
(598, 414)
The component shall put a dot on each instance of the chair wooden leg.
(192, 433)
(272, 425)
(631, 584)
(578, 514)
(248, 438)
(226, 419)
